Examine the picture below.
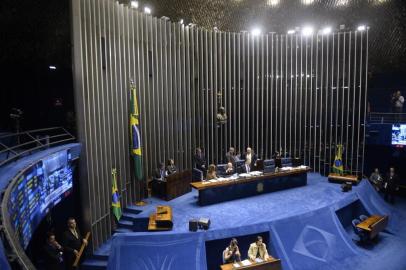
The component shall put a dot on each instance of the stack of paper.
(246, 262)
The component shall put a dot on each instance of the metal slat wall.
(298, 95)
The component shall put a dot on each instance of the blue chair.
(286, 162)
(197, 175)
(359, 232)
(239, 165)
(221, 169)
(269, 165)
(363, 217)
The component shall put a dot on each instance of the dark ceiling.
(36, 34)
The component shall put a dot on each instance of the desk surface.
(204, 185)
(369, 222)
(349, 178)
(163, 215)
(271, 264)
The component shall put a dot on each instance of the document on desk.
(259, 260)
(236, 265)
(246, 262)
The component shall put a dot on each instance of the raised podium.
(270, 264)
(374, 225)
(175, 185)
(161, 220)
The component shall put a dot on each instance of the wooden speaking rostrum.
(82, 248)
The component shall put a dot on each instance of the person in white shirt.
(258, 250)
(250, 160)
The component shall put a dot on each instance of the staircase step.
(132, 209)
(93, 264)
(129, 216)
(125, 224)
(122, 230)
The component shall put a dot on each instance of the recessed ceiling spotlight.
(361, 28)
(326, 31)
(307, 31)
(134, 4)
(147, 10)
(181, 21)
(256, 32)
(291, 32)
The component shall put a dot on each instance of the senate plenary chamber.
(203, 135)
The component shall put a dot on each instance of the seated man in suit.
(258, 250)
(230, 169)
(171, 168)
(160, 172)
(250, 158)
(199, 161)
(232, 253)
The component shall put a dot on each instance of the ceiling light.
(52, 67)
(326, 31)
(291, 32)
(307, 31)
(134, 4)
(147, 10)
(361, 28)
(256, 32)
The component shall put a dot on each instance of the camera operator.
(232, 253)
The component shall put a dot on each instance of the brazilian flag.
(115, 198)
(338, 161)
(135, 133)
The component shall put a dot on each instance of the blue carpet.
(303, 227)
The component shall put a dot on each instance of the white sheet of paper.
(259, 260)
(246, 262)
(236, 265)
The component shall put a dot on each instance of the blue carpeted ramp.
(315, 240)
(156, 252)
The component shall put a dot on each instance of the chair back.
(221, 169)
(269, 165)
(363, 217)
(286, 162)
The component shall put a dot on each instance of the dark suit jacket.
(243, 169)
(52, 257)
(158, 174)
(231, 157)
(171, 169)
(392, 182)
(71, 243)
(199, 161)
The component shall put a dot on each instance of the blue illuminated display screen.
(39, 189)
(399, 134)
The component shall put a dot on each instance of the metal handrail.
(39, 143)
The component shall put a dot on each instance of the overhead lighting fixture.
(191, 25)
(52, 67)
(181, 21)
(273, 3)
(291, 32)
(215, 28)
(307, 31)
(326, 31)
(165, 18)
(147, 10)
(361, 28)
(134, 4)
(307, 2)
(256, 32)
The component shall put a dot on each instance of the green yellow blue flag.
(135, 133)
(115, 198)
(338, 160)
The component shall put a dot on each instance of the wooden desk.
(270, 264)
(214, 192)
(175, 185)
(373, 225)
(161, 220)
(337, 178)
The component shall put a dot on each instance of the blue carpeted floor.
(303, 227)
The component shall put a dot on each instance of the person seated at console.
(232, 253)
(211, 172)
(229, 169)
(199, 162)
(160, 172)
(171, 168)
(258, 250)
(250, 158)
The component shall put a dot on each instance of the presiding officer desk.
(270, 264)
(245, 185)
